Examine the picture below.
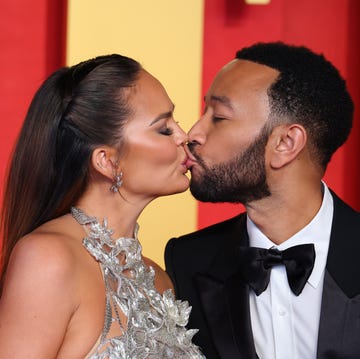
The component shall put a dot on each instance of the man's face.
(228, 142)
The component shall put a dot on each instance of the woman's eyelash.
(217, 119)
(166, 131)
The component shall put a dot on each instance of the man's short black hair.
(309, 90)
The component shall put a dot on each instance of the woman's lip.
(190, 159)
(190, 155)
(189, 163)
(184, 164)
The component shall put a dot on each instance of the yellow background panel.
(165, 36)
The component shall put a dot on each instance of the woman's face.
(153, 158)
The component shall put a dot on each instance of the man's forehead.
(248, 69)
(242, 74)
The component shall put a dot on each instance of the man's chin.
(198, 192)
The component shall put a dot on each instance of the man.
(273, 118)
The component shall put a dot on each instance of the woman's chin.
(179, 188)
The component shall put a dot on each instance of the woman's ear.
(105, 161)
(287, 141)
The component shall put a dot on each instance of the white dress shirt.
(285, 326)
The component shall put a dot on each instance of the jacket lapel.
(339, 327)
(237, 295)
(225, 300)
(333, 307)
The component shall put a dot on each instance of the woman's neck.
(121, 214)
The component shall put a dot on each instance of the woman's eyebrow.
(163, 115)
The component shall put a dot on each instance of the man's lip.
(189, 163)
(190, 155)
(191, 160)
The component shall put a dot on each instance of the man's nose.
(197, 134)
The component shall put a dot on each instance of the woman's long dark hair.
(75, 110)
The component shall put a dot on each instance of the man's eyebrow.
(163, 115)
(222, 99)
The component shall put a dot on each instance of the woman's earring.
(117, 182)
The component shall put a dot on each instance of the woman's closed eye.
(218, 118)
(167, 131)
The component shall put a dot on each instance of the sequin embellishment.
(155, 326)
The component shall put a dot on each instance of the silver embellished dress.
(155, 325)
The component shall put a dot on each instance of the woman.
(98, 144)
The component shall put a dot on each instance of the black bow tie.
(256, 263)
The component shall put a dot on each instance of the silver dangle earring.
(117, 182)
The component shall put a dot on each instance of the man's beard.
(242, 179)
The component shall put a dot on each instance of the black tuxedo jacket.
(203, 267)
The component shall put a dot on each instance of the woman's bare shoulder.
(49, 247)
(39, 286)
(45, 258)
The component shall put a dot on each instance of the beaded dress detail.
(155, 325)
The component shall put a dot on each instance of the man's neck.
(285, 213)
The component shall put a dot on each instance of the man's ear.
(286, 142)
(105, 161)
